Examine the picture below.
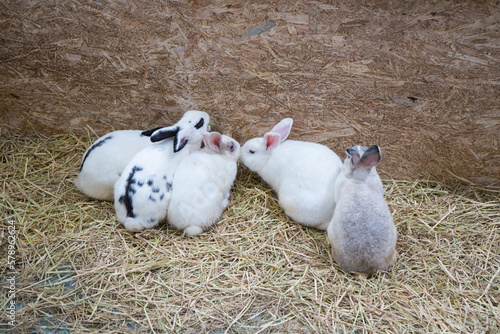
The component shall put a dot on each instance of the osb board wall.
(418, 78)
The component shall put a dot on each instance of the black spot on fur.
(200, 123)
(162, 196)
(151, 220)
(93, 147)
(151, 198)
(169, 186)
(150, 183)
(155, 190)
(140, 183)
(129, 191)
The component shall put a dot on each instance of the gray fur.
(362, 234)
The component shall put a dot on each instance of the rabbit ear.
(354, 154)
(164, 133)
(148, 133)
(213, 140)
(181, 139)
(371, 157)
(272, 140)
(283, 128)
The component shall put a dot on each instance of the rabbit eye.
(251, 151)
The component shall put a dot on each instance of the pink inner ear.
(205, 139)
(355, 160)
(272, 140)
(371, 160)
(214, 141)
(283, 128)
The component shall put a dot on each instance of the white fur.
(104, 161)
(362, 234)
(202, 184)
(302, 174)
(143, 191)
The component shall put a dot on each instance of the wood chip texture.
(419, 78)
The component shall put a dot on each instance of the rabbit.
(301, 173)
(105, 159)
(143, 191)
(362, 234)
(202, 184)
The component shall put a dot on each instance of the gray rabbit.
(362, 234)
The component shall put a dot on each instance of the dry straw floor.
(77, 270)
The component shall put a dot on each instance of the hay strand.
(256, 272)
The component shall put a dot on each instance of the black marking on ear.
(164, 134)
(352, 151)
(372, 149)
(148, 133)
(353, 156)
(176, 140)
(93, 147)
(126, 199)
(181, 146)
(200, 123)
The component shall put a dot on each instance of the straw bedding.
(78, 270)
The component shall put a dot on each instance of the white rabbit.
(143, 191)
(361, 233)
(202, 184)
(301, 173)
(105, 159)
